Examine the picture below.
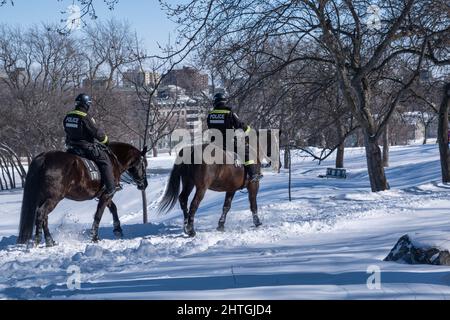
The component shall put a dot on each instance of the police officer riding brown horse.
(85, 139)
(223, 118)
(55, 175)
(222, 177)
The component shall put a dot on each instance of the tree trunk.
(323, 140)
(155, 152)
(341, 148)
(279, 161)
(4, 178)
(377, 176)
(386, 146)
(425, 132)
(11, 164)
(287, 152)
(443, 135)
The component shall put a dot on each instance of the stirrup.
(110, 194)
(255, 178)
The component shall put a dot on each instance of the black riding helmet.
(219, 100)
(83, 101)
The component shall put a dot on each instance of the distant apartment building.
(140, 78)
(96, 83)
(182, 111)
(172, 93)
(190, 79)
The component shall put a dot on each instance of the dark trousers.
(100, 156)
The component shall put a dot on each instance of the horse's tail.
(173, 189)
(30, 200)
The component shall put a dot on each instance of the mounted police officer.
(87, 140)
(223, 118)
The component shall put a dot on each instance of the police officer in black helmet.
(85, 139)
(222, 118)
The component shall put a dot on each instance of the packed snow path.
(320, 245)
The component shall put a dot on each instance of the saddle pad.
(92, 169)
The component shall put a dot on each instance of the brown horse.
(223, 177)
(56, 175)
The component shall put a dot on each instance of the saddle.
(90, 165)
(92, 168)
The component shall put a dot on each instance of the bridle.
(141, 180)
(137, 179)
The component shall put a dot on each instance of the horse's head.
(132, 161)
(138, 169)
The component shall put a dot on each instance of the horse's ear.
(144, 151)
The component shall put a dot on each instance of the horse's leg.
(189, 227)
(252, 193)
(38, 234)
(102, 203)
(42, 222)
(226, 207)
(117, 228)
(184, 197)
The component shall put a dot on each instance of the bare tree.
(359, 49)
(40, 68)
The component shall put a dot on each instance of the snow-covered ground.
(319, 246)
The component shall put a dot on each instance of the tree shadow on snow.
(106, 233)
(96, 290)
(138, 231)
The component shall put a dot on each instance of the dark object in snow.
(335, 173)
(405, 252)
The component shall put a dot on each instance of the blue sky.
(145, 16)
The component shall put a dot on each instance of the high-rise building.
(181, 113)
(140, 78)
(190, 79)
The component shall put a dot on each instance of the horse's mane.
(121, 144)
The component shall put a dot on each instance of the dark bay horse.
(55, 175)
(223, 177)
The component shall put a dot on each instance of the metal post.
(290, 172)
(144, 204)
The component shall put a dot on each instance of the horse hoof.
(50, 244)
(221, 228)
(259, 224)
(192, 234)
(118, 234)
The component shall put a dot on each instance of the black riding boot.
(252, 173)
(109, 182)
(106, 171)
